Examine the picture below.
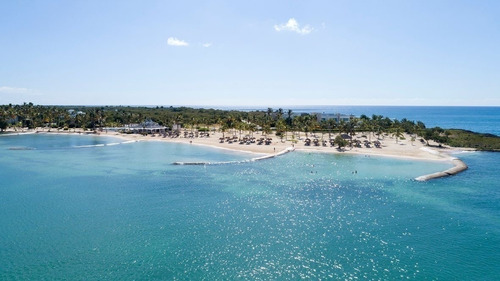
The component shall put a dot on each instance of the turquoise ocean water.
(94, 208)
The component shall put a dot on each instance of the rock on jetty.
(459, 167)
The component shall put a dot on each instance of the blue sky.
(254, 53)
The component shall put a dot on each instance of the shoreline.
(402, 149)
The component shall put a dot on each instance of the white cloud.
(172, 41)
(293, 25)
(14, 90)
(207, 45)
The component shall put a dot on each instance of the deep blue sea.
(96, 208)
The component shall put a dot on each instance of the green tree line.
(283, 123)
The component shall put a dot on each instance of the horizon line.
(252, 106)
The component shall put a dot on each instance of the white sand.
(401, 149)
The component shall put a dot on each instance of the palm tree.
(266, 130)
(289, 118)
(305, 124)
(330, 124)
(48, 119)
(313, 123)
(297, 123)
(413, 139)
(251, 128)
(420, 128)
(397, 132)
(279, 113)
(281, 128)
(223, 129)
(240, 126)
(341, 142)
(347, 128)
(269, 112)
(13, 113)
(379, 131)
(192, 123)
(178, 121)
(3, 121)
(370, 128)
(230, 122)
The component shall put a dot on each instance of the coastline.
(403, 149)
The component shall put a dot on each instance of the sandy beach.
(403, 148)
(389, 147)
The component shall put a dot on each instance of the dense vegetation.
(463, 138)
(32, 116)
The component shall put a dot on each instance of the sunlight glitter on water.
(126, 212)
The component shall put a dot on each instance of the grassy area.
(464, 138)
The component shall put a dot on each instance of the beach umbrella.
(346, 137)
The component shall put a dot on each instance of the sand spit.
(389, 147)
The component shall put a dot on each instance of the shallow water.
(125, 212)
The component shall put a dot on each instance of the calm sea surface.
(94, 208)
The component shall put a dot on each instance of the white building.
(336, 116)
(148, 126)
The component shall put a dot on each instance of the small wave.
(111, 144)
(82, 146)
(9, 134)
(21, 148)
(463, 151)
(432, 151)
(102, 144)
(224, 162)
(88, 145)
(290, 149)
(210, 163)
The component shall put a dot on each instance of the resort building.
(336, 116)
(73, 113)
(146, 127)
